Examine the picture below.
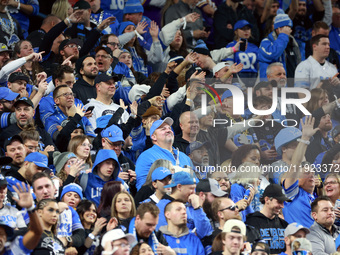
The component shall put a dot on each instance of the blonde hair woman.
(62, 9)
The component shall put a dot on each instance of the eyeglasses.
(122, 245)
(114, 144)
(222, 178)
(330, 183)
(32, 148)
(103, 56)
(231, 208)
(66, 95)
(87, 145)
(73, 46)
(113, 44)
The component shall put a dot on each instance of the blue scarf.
(152, 241)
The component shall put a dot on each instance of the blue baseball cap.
(38, 159)
(242, 23)
(7, 94)
(285, 136)
(160, 173)
(226, 94)
(113, 133)
(182, 178)
(74, 188)
(159, 123)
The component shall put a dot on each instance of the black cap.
(80, 61)
(195, 146)
(5, 160)
(81, 5)
(191, 71)
(18, 76)
(275, 191)
(8, 229)
(264, 84)
(70, 41)
(107, 49)
(25, 100)
(104, 77)
(266, 249)
(12, 139)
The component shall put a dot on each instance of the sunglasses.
(231, 208)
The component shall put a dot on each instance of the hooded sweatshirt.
(91, 183)
(272, 230)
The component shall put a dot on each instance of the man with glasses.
(267, 220)
(68, 48)
(24, 113)
(103, 104)
(104, 59)
(222, 178)
(116, 242)
(67, 115)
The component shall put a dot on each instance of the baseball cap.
(5, 160)
(7, 94)
(137, 91)
(159, 123)
(294, 227)
(81, 5)
(285, 136)
(160, 173)
(241, 23)
(195, 146)
(3, 48)
(12, 139)
(232, 223)
(103, 77)
(182, 178)
(210, 185)
(3, 181)
(74, 188)
(264, 84)
(38, 159)
(25, 100)
(18, 76)
(71, 41)
(275, 191)
(335, 131)
(266, 249)
(219, 66)
(116, 234)
(105, 48)
(305, 244)
(8, 229)
(133, 6)
(113, 133)
(226, 94)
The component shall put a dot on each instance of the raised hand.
(113, 223)
(75, 17)
(42, 87)
(154, 30)
(236, 68)
(35, 56)
(141, 26)
(122, 104)
(157, 101)
(192, 17)
(200, 76)
(308, 129)
(76, 167)
(99, 225)
(191, 57)
(67, 62)
(165, 92)
(133, 107)
(25, 199)
(106, 22)
(170, 67)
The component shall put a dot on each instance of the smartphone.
(90, 109)
(125, 167)
(243, 45)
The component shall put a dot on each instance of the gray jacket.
(323, 242)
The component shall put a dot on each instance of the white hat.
(137, 91)
(220, 66)
(116, 234)
(230, 224)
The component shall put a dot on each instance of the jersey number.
(117, 5)
(248, 60)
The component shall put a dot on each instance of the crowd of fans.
(118, 134)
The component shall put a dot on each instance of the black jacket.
(84, 91)
(272, 230)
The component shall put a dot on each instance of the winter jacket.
(149, 156)
(184, 244)
(323, 242)
(272, 230)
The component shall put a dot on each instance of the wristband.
(234, 50)
(139, 36)
(91, 236)
(198, 208)
(184, 23)
(303, 141)
(69, 21)
(18, 7)
(133, 115)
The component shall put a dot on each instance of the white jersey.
(101, 109)
(310, 72)
(12, 217)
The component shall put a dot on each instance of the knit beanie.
(133, 6)
(202, 48)
(282, 20)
